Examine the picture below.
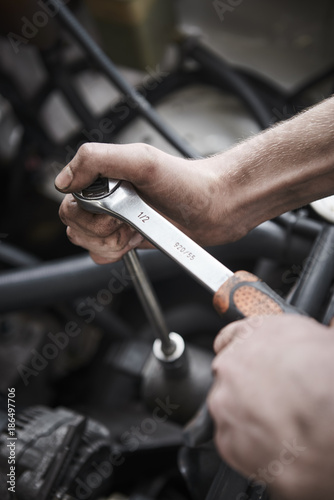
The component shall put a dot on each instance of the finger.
(100, 225)
(238, 332)
(93, 160)
(215, 397)
(224, 337)
(108, 249)
(227, 335)
(218, 402)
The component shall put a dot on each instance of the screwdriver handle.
(245, 295)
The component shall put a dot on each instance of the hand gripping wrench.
(235, 295)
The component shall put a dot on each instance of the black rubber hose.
(296, 94)
(121, 114)
(229, 77)
(62, 82)
(106, 319)
(300, 224)
(67, 279)
(13, 256)
(101, 60)
(317, 276)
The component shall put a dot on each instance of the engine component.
(55, 453)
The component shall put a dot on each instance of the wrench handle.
(245, 295)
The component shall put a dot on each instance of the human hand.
(273, 404)
(185, 191)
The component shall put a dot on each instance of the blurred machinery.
(75, 342)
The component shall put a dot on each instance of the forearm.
(283, 168)
(214, 200)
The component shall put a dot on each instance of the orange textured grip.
(252, 302)
(241, 295)
(221, 299)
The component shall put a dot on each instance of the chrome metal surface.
(100, 188)
(149, 302)
(179, 348)
(125, 204)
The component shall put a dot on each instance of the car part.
(57, 454)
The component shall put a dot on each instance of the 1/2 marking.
(143, 217)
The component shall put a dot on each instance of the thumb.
(93, 160)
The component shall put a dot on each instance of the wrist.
(283, 168)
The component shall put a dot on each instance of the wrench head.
(89, 197)
(100, 188)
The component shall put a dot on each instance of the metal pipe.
(149, 301)
(312, 287)
(329, 313)
(68, 20)
(229, 77)
(65, 279)
(14, 256)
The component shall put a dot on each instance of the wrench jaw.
(92, 206)
(100, 188)
(109, 196)
(93, 198)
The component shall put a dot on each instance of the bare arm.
(282, 168)
(215, 200)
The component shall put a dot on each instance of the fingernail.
(135, 240)
(64, 179)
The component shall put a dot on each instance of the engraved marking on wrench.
(183, 250)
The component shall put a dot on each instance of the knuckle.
(149, 161)
(71, 235)
(224, 444)
(99, 259)
(105, 258)
(65, 209)
(85, 152)
(62, 214)
(104, 227)
(114, 243)
(117, 256)
(119, 240)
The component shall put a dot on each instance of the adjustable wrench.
(235, 295)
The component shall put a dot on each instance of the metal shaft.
(149, 301)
